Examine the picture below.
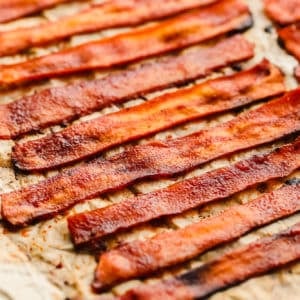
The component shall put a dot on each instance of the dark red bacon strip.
(13, 9)
(283, 11)
(62, 104)
(110, 14)
(230, 269)
(219, 184)
(176, 33)
(157, 159)
(164, 250)
(87, 138)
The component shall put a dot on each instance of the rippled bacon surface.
(143, 257)
(157, 159)
(283, 11)
(232, 268)
(110, 14)
(87, 138)
(62, 104)
(175, 33)
(13, 9)
(219, 184)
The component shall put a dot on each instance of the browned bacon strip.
(176, 33)
(219, 184)
(87, 138)
(230, 269)
(143, 257)
(61, 104)
(107, 15)
(157, 159)
(283, 11)
(290, 36)
(13, 9)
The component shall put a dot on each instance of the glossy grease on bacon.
(236, 266)
(88, 138)
(140, 258)
(173, 34)
(109, 14)
(270, 121)
(62, 104)
(91, 226)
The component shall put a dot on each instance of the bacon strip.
(107, 15)
(283, 11)
(230, 269)
(157, 159)
(219, 184)
(87, 138)
(144, 257)
(13, 9)
(290, 38)
(61, 104)
(176, 33)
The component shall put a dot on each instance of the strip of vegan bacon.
(219, 184)
(164, 250)
(230, 269)
(62, 104)
(87, 138)
(297, 73)
(176, 33)
(13, 9)
(282, 11)
(107, 15)
(157, 159)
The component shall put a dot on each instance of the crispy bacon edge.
(102, 16)
(173, 34)
(89, 227)
(234, 267)
(88, 138)
(140, 258)
(19, 8)
(62, 104)
(271, 121)
(282, 11)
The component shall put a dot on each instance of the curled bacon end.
(88, 138)
(230, 269)
(61, 104)
(14, 9)
(283, 11)
(105, 15)
(176, 33)
(144, 257)
(270, 121)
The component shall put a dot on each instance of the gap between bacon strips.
(267, 123)
(87, 138)
(233, 267)
(62, 104)
(110, 14)
(173, 34)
